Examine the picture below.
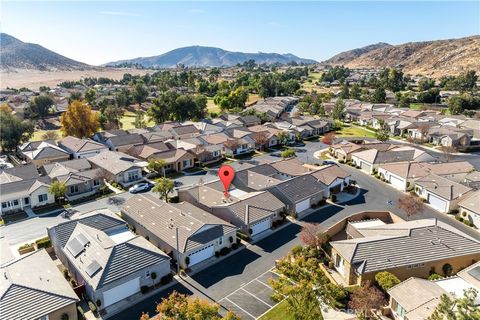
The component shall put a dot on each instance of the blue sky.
(98, 32)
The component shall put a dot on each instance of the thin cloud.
(198, 11)
(120, 13)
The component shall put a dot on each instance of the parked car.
(139, 187)
(328, 162)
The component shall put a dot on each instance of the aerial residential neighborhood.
(204, 183)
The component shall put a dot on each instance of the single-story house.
(124, 142)
(252, 212)
(184, 131)
(402, 175)
(106, 258)
(147, 150)
(32, 287)
(200, 234)
(469, 207)
(176, 159)
(333, 177)
(300, 193)
(119, 167)
(371, 159)
(249, 120)
(290, 168)
(81, 148)
(78, 175)
(22, 187)
(417, 298)
(441, 193)
(105, 135)
(405, 249)
(42, 152)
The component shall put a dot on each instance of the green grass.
(212, 107)
(37, 135)
(128, 119)
(416, 106)
(354, 131)
(280, 311)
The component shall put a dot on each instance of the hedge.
(43, 243)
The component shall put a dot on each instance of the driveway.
(232, 276)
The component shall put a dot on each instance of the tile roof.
(406, 243)
(300, 188)
(442, 187)
(113, 161)
(471, 202)
(422, 169)
(28, 171)
(28, 292)
(116, 260)
(196, 226)
(329, 174)
(80, 145)
(126, 139)
(291, 167)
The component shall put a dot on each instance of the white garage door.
(302, 206)
(201, 255)
(397, 182)
(121, 292)
(260, 226)
(437, 203)
(365, 166)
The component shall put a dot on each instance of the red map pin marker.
(226, 174)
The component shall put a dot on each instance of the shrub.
(174, 199)
(98, 303)
(234, 246)
(153, 275)
(333, 198)
(434, 276)
(230, 239)
(144, 289)
(73, 282)
(217, 254)
(187, 260)
(297, 250)
(92, 306)
(43, 243)
(225, 251)
(453, 211)
(459, 218)
(250, 231)
(386, 280)
(166, 279)
(64, 316)
(65, 274)
(447, 269)
(341, 161)
(468, 223)
(464, 214)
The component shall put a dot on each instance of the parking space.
(252, 299)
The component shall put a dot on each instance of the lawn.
(280, 311)
(354, 131)
(37, 135)
(416, 106)
(128, 119)
(212, 107)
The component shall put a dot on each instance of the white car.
(139, 187)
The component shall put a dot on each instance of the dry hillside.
(431, 58)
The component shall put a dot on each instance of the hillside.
(197, 56)
(431, 58)
(17, 55)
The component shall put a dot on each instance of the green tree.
(182, 307)
(461, 308)
(425, 84)
(163, 187)
(288, 153)
(40, 106)
(157, 165)
(379, 95)
(386, 280)
(13, 130)
(282, 136)
(338, 109)
(90, 96)
(139, 120)
(140, 93)
(268, 86)
(75, 95)
(58, 189)
(356, 91)
(110, 117)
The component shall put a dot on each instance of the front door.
(26, 201)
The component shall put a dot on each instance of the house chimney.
(451, 191)
(247, 215)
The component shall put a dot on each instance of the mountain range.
(19, 55)
(431, 58)
(198, 56)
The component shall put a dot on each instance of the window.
(147, 274)
(42, 197)
(220, 241)
(74, 189)
(4, 205)
(96, 182)
(132, 175)
(15, 202)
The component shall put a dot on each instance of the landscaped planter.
(26, 250)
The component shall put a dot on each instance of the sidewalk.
(428, 148)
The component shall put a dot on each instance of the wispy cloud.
(120, 13)
(198, 11)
